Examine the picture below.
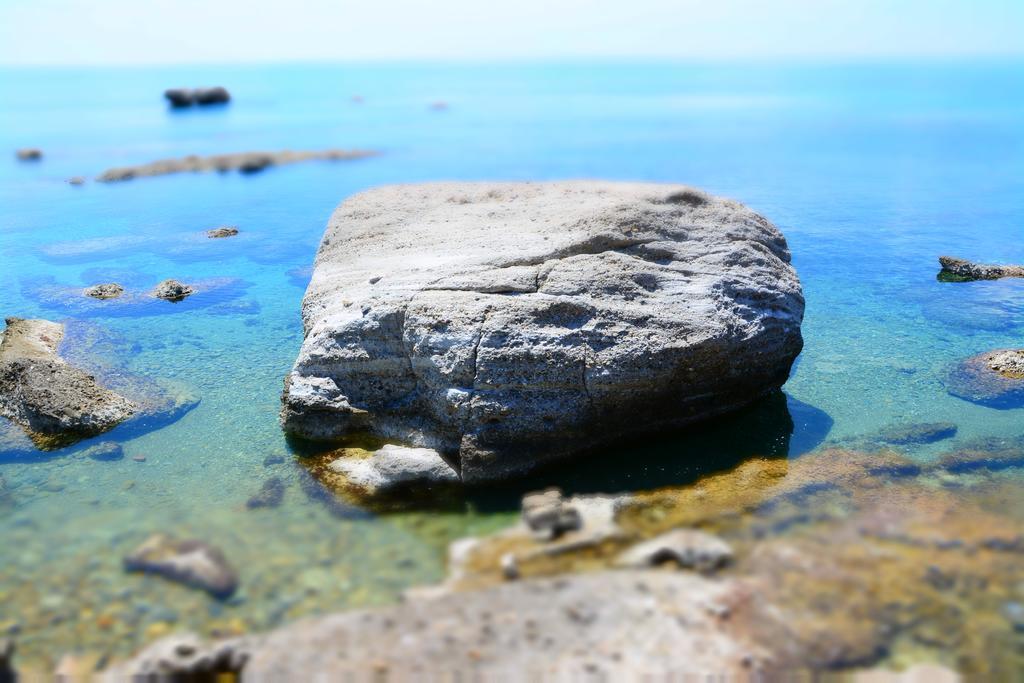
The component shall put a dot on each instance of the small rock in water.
(273, 459)
(107, 290)
(994, 379)
(688, 548)
(439, 105)
(392, 467)
(270, 494)
(76, 180)
(960, 269)
(190, 562)
(172, 290)
(29, 154)
(104, 451)
(139, 458)
(548, 516)
(920, 433)
(223, 231)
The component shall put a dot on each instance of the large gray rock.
(507, 325)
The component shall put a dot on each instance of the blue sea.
(871, 170)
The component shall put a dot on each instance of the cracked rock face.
(507, 325)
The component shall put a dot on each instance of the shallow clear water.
(871, 172)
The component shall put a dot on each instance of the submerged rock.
(959, 269)
(193, 563)
(246, 162)
(991, 454)
(270, 495)
(688, 548)
(108, 290)
(53, 401)
(76, 180)
(914, 434)
(224, 231)
(29, 154)
(994, 379)
(104, 451)
(511, 325)
(172, 290)
(394, 467)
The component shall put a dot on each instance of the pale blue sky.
(212, 31)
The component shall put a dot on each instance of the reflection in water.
(777, 426)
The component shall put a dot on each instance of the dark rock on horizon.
(29, 154)
(994, 379)
(511, 325)
(960, 269)
(184, 97)
(190, 562)
(244, 162)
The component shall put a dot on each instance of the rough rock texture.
(172, 290)
(688, 548)
(507, 325)
(959, 269)
(223, 231)
(994, 379)
(107, 290)
(244, 162)
(605, 626)
(52, 400)
(191, 562)
(394, 467)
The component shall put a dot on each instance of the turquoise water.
(872, 171)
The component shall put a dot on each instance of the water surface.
(872, 171)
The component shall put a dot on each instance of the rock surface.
(392, 468)
(509, 325)
(190, 562)
(107, 290)
(7, 673)
(605, 626)
(53, 401)
(245, 162)
(959, 269)
(688, 548)
(994, 379)
(223, 231)
(172, 290)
